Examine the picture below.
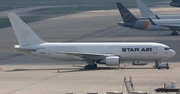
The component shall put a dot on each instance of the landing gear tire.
(157, 65)
(174, 33)
(87, 67)
(94, 66)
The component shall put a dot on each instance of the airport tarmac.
(22, 74)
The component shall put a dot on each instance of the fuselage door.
(154, 50)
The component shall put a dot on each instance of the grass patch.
(10, 4)
(66, 10)
(75, 7)
(4, 22)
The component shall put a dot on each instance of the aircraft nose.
(172, 53)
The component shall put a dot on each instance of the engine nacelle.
(111, 61)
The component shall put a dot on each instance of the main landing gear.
(156, 64)
(91, 65)
(174, 33)
(94, 66)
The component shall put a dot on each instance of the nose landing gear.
(174, 33)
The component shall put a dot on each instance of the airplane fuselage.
(126, 51)
(144, 25)
(104, 53)
(175, 16)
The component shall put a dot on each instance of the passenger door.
(154, 50)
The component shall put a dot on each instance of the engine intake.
(111, 61)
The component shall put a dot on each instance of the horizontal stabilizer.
(22, 49)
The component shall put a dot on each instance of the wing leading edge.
(89, 56)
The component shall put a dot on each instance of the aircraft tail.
(23, 32)
(145, 11)
(126, 15)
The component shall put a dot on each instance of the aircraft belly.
(146, 25)
(140, 57)
(157, 28)
(64, 57)
(124, 57)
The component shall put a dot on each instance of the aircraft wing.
(90, 56)
(145, 11)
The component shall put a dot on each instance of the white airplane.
(147, 13)
(104, 53)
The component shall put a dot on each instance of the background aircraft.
(175, 3)
(130, 21)
(174, 24)
(105, 53)
(147, 13)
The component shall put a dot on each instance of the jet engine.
(110, 61)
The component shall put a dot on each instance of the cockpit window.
(166, 48)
